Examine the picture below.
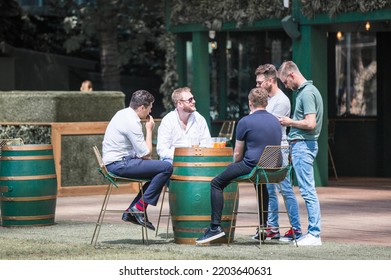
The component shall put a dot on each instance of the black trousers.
(221, 181)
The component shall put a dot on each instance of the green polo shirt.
(308, 101)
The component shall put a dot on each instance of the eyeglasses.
(259, 83)
(285, 82)
(190, 100)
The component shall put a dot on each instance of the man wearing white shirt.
(181, 127)
(279, 105)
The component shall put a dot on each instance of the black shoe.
(137, 217)
(210, 235)
(127, 217)
(256, 235)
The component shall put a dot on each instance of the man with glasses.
(279, 105)
(306, 126)
(181, 127)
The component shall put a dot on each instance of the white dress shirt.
(171, 134)
(124, 137)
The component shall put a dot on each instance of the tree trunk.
(109, 54)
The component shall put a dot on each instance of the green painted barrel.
(189, 192)
(28, 184)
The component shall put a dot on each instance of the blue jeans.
(156, 170)
(291, 204)
(303, 156)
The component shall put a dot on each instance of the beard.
(268, 88)
(189, 109)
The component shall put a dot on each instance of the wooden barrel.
(189, 192)
(28, 184)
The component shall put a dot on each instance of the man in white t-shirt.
(127, 153)
(279, 105)
(181, 127)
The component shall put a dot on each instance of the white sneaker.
(309, 240)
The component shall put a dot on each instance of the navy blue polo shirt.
(258, 130)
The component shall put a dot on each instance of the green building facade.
(343, 46)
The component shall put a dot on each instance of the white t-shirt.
(171, 134)
(280, 106)
(124, 137)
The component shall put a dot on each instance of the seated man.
(182, 126)
(253, 133)
(127, 154)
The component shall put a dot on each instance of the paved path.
(354, 210)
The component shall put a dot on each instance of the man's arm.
(149, 125)
(164, 146)
(238, 151)
(308, 123)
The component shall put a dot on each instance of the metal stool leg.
(160, 214)
(101, 215)
(234, 214)
(332, 163)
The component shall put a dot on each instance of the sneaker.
(309, 240)
(288, 236)
(268, 234)
(210, 235)
(272, 234)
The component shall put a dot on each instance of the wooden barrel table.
(189, 192)
(28, 185)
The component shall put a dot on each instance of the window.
(356, 89)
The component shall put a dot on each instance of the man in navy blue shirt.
(253, 133)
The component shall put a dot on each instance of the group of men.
(127, 151)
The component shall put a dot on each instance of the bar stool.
(227, 131)
(113, 180)
(272, 168)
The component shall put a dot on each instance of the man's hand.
(285, 121)
(150, 123)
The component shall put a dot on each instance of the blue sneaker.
(210, 235)
(288, 236)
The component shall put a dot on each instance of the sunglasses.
(190, 100)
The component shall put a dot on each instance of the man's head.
(257, 98)
(266, 77)
(141, 102)
(290, 75)
(184, 100)
(86, 86)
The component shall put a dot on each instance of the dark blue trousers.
(156, 170)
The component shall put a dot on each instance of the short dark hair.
(140, 98)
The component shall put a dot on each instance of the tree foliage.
(137, 26)
(213, 14)
(310, 8)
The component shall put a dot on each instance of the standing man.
(280, 106)
(306, 125)
(127, 153)
(253, 133)
(181, 127)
